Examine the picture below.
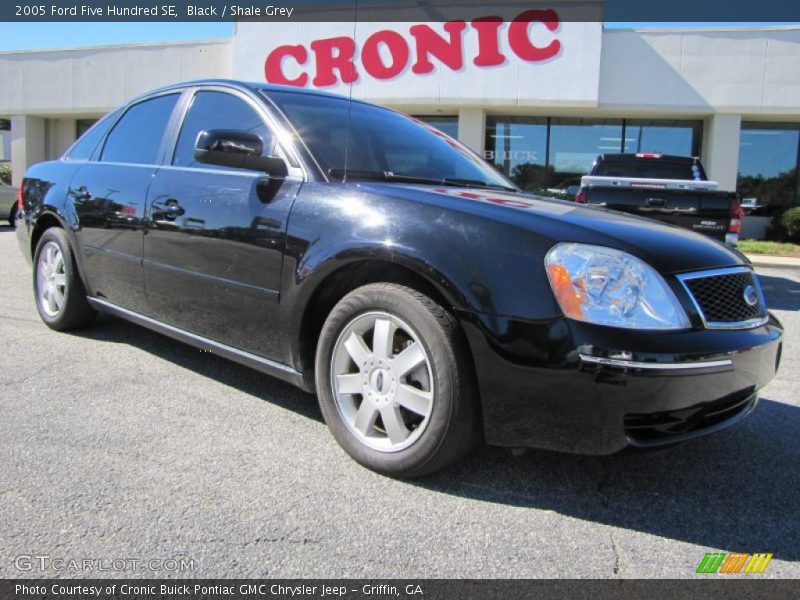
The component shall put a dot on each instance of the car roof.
(248, 86)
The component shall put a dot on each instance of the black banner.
(716, 587)
(775, 11)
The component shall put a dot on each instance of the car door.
(109, 195)
(214, 246)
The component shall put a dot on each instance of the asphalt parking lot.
(118, 443)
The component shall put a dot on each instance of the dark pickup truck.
(673, 189)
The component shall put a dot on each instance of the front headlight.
(610, 287)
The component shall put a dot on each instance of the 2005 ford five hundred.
(359, 253)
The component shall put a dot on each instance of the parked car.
(356, 252)
(8, 202)
(672, 189)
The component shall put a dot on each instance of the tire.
(57, 286)
(402, 415)
(12, 216)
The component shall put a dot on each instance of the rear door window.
(86, 144)
(137, 136)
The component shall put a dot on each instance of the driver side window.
(217, 110)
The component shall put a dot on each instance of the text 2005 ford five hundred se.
(356, 252)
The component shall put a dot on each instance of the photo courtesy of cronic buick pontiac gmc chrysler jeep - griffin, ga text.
(360, 254)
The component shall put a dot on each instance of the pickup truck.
(672, 189)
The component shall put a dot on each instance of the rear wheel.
(58, 289)
(394, 381)
(12, 216)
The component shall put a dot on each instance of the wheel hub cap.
(379, 383)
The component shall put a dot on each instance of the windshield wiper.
(391, 176)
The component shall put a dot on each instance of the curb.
(782, 262)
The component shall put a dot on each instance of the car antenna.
(349, 103)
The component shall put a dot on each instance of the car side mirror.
(237, 149)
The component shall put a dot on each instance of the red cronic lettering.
(273, 66)
(483, 197)
(507, 202)
(386, 54)
(345, 49)
(489, 54)
(371, 57)
(429, 42)
(520, 41)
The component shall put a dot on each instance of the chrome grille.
(721, 297)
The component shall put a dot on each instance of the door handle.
(168, 210)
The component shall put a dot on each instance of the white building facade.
(537, 97)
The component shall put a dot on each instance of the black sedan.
(359, 253)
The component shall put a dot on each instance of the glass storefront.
(681, 138)
(575, 144)
(541, 153)
(518, 147)
(768, 166)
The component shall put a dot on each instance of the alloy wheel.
(51, 279)
(382, 381)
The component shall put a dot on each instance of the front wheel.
(58, 289)
(394, 381)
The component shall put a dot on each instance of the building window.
(575, 144)
(517, 146)
(681, 138)
(447, 124)
(552, 154)
(768, 165)
(82, 126)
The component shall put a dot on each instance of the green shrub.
(791, 223)
(5, 173)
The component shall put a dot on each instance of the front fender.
(477, 265)
(319, 264)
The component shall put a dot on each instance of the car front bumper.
(574, 387)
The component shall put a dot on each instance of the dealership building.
(538, 98)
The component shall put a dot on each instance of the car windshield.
(383, 145)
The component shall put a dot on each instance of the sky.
(31, 36)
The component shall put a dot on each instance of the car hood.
(668, 248)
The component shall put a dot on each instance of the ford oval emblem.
(750, 295)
